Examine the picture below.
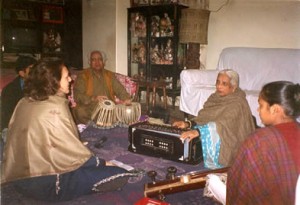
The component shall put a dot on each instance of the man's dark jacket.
(10, 96)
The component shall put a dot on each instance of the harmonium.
(164, 141)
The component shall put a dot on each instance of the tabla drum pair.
(107, 114)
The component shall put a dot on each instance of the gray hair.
(102, 53)
(233, 75)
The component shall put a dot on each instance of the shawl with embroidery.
(42, 139)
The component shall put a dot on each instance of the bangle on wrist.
(189, 122)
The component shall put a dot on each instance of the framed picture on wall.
(49, 1)
(20, 14)
(52, 39)
(53, 14)
(135, 3)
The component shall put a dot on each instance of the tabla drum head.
(104, 115)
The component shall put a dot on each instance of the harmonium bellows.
(164, 141)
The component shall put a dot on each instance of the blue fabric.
(73, 184)
(22, 83)
(210, 140)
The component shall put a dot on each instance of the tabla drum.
(128, 114)
(104, 114)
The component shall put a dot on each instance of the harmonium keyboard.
(164, 141)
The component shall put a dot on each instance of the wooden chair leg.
(165, 97)
(147, 97)
(137, 96)
(153, 96)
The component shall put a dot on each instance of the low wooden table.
(152, 85)
(173, 93)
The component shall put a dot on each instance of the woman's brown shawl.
(234, 121)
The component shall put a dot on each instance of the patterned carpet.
(116, 148)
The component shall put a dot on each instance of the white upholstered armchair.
(256, 67)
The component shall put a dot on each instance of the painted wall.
(121, 41)
(99, 30)
(251, 23)
(272, 24)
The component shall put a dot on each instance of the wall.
(264, 23)
(252, 23)
(99, 29)
(121, 52)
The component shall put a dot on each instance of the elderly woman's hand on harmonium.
(189, 135)
(181, 124)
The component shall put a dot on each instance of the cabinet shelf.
(154, 51)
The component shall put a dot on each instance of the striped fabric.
(264, 171)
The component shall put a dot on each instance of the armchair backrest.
(258, 66)
(255, 66)
(128, 83)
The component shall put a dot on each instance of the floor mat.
(115, 148)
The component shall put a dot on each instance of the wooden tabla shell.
(104, 114)
(128, 114)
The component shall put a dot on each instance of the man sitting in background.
(95, 84)
(13, 92)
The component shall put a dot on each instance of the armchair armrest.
(194, 77)
(128, 84)
(196, 87)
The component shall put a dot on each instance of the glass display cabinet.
(154, 52)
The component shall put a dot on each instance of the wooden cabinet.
(33, 27)
(40, 27)
(73, 33)
(20, 27)
(154, 52)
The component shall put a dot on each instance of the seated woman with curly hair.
(43, 155)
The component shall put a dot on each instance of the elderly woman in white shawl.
(223, 123)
